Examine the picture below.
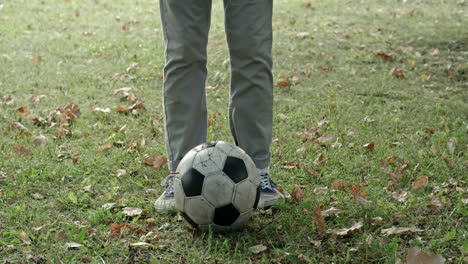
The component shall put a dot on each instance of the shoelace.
(169, 181)
(266, 183)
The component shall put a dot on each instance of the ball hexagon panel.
(242, 220)
(245, 196)
(209, 161)
(199, 210)
(226, 215)
(218, 190)
(192, 182)
(235, 169)
(179, 195)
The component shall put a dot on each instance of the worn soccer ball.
(217, 187)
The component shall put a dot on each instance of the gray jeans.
(248, 24)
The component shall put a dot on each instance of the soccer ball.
(217, 187)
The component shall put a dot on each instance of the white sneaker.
(269, 195)
(167, 200)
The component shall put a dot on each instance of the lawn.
(370, 134)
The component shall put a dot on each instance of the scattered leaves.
(420, 182)
(105, 147)
(416, 256)
(345, 231)
(319, 220)
(257, 249)
(21, 151)
(37, 196)
(155, 161)
(398, 230)
(297, 192)
(132, 211)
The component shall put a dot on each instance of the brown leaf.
(435, 206)
(120, 109)
(398, 73)
(22, 110)
(345, 231)
(37, 60)
(398, 230)
(37, 98)
(284, 193)
(369, 146)
(420, 182)
(21, 151)
(338, 185)
(415, 256)
(297, 192)
(385, 56)
(320, 160)
(319, 220)
(155, 161)
(75, 158)
(105, 147)
(304, 258)
(448, 163)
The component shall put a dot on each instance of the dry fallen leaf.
(398, 230)
(344, 231)
(420, 182)
(416, 256)
(304, 258)
(257, 249)
(331, 211)
(132, 211)
(105, 147)
(338, 185)
(297, 192)
(98, 109)
(155, 161)
(24, 237)
(120, 172)
(40, 140)
(320, 190)
(37, 196)
(143, 245)
(21, 151)
(325, 139)
(23, 110)
(319, 220)
(284, 193)
(369, 146)
(398, 73)
(320, 160)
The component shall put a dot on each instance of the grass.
(79, 52)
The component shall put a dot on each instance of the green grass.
(85, 48)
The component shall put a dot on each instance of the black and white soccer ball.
(217, 187)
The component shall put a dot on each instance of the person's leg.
(185, 26)
(249, 35)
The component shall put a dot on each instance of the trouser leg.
(185, 25)
(249, 35)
